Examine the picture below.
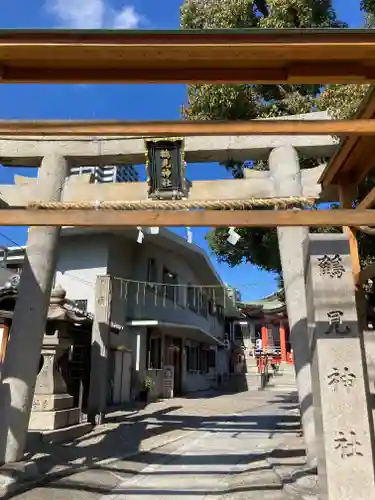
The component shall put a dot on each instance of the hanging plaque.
(166, 169)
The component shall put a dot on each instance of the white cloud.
(78, 14)
(127, 18)
(94, 14)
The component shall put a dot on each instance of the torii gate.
(266, 56)
(257, 185)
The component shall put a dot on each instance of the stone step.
(55, 419)
(60, 435)
(281, 388)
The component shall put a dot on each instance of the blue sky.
(127, 102)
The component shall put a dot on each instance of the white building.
(108, 173)
(167, 297)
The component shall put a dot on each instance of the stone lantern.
(52, 406)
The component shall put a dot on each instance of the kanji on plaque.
(347, 444)
(335, 323)
(337, 377)
(166, 168)
(331, 266)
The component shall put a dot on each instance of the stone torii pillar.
(23, 352)
(286, 174)
(343, 414)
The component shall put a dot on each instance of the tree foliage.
(341, 101)
(243, 102)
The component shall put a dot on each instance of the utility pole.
(23, 353)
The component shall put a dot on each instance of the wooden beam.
(182, 56)
(212, 218)
(368, 201)
(347, 194)
(354, 151)
(187, 128)
(297, 73)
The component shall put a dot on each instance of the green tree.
(242, 102)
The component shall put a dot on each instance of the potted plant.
(147, 386)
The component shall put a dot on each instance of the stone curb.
(301, 483)
(30, 475)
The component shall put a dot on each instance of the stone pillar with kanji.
(343, 419)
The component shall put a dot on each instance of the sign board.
(168, 381)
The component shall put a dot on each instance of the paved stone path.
(223, 460)
(232, 447)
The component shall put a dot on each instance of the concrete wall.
(157, 378)
(120, 264)
(145, 304)
(81, 259)
(192, 382)
(222, 362)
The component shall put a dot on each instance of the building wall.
(120, 265)
(196, 381)
(146, 303)
(108, 173)
(81, 259)
(193, 382)
(127, 262)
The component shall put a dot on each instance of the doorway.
(173, 357)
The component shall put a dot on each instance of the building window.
(152, 271)
(220, 313)
(203, 305)
(204, 360)
(154, 353)
(211, 358)
(81, 304)
(192, 357)
(192, 298)
(211, 308)
(170, 280)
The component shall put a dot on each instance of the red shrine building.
(264, 324)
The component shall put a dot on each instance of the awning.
(179, 330)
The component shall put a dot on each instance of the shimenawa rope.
(291, 201)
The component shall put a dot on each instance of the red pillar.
(284, 354)
(264, 333)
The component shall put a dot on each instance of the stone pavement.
(208, 446)
(227, 458)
